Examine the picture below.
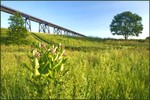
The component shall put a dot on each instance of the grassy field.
(97, 69)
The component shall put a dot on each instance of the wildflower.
(42, 45)
(37, 55)
(52, 50)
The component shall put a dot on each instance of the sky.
(90, 18)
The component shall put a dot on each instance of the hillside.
(78, 43)
(95, 69)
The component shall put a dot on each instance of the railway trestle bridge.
(44, 26)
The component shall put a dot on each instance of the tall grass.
(107, 74)
(110, 69)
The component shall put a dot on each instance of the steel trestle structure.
(44, 26)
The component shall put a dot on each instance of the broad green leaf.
(44, 68)
(64, 60)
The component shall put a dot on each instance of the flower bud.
(37, 55)
(52, 50)
(43, 45)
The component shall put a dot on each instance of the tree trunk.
(126, 37)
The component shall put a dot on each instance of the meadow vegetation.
(95, 69)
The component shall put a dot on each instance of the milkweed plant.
(47, 65)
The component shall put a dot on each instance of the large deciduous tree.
(16, 30)
(126, 24)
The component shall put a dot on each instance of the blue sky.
(91, 18)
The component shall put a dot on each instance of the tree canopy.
(16, 29)
(126, 24)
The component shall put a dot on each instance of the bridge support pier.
(44, 28)
(47, 28)
(57, 31)
(66, 33)
(27, 23)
